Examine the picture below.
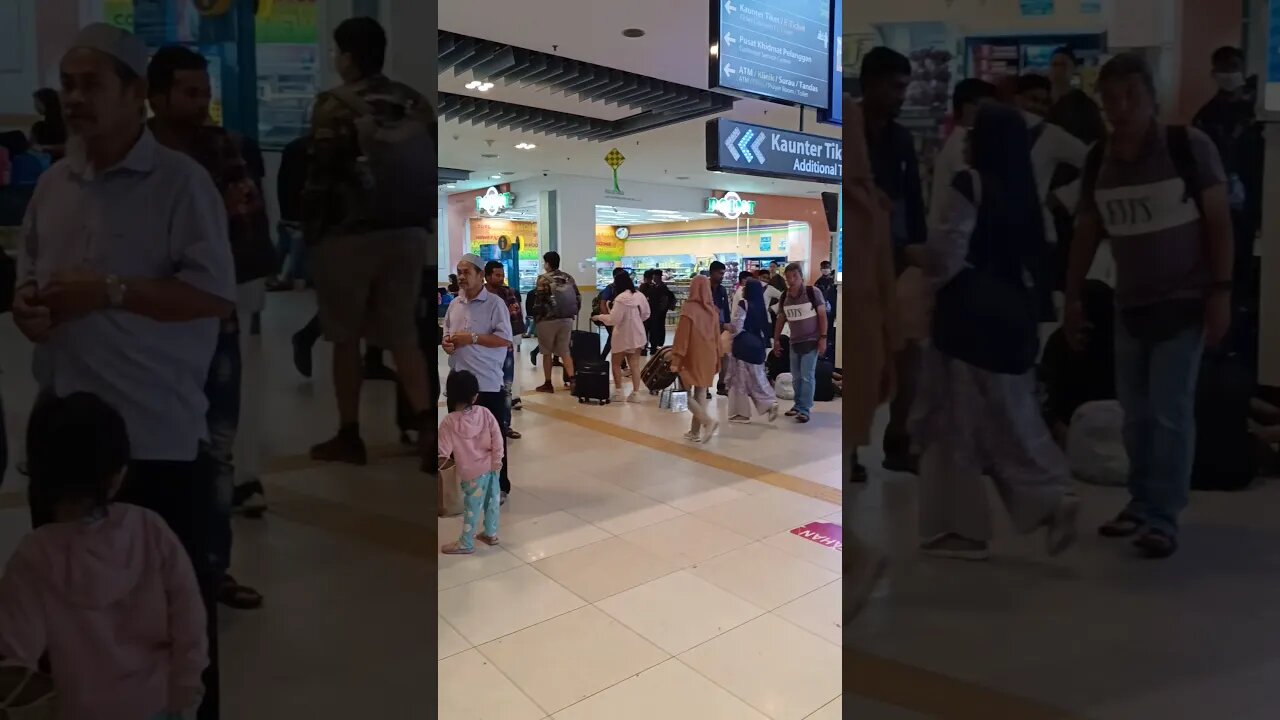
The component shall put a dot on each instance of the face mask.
(826, 273)
(1229, 82)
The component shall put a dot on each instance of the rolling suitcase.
(591, 383)
(657, 375)
(584, 348)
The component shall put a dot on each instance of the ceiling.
(675, 48)
(608, 215)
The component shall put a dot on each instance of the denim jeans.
(804, 370)
(222, 388)
(1156, 385)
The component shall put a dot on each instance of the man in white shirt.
(1052, 147)
(968, 95)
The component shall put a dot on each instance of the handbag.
(674, 399)
(749, 348)
(450, 492)
(986, 320)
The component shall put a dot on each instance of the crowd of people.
(144, 253)
(732, 342)
(1030, 187)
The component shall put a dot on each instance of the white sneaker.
(709, 431)
(617, 396)
(773, 413)
(692, 436)
(634, 397)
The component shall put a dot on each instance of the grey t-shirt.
(1156, 231)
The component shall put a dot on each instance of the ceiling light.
(480, 85)
(715, 50)
(526, 146)
(495, 177)
(450, 187)
(633, 33)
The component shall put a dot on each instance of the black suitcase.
(591, 383)
(824, 389)
(584, 348)
(1226, 453)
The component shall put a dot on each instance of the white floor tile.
(501, 604)
(671, 691)
(596, 571)
(624, 511)
(779, 669)
(832, 710)
(686, 539)
(542, 537)
(448, 640)
(455, 570)
(471, 688)
(758, 516)
(820, 612)
(679, 611)
(569, 658)
(763, 576)
(690, 493)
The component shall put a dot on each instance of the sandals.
(487, 540)
(1126, 524)
(802, 418)
(454, 548)
(1156, 544)
(237, 596)
(513, 435)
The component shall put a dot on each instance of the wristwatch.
(115, 291)
(475, 339)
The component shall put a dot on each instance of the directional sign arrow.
(729, 7)
(728, 70)
(744, 143)
(733, 137)
(755, 148)
(730, 39)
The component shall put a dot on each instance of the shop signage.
(824, 533)
(731, 206)
(773, 49)
(745, 149)
(1037, 8)
(766, 243)
(494, 202)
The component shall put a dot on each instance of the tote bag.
(450, 493)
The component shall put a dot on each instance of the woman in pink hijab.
(695, 355)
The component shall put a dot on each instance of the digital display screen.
(773, 49)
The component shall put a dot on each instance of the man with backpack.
(369, 210)
(555, 303)
(827, 286)
(804, 312)
(1160, 194)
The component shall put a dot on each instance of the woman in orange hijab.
(869, 323)
(695, 355)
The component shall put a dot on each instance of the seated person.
(1074, 378)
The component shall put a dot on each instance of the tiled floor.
(1097, 634)
(637, 580)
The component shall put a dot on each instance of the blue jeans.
(1156, 385)
(804, 370)
(222, 388)
(509, 370)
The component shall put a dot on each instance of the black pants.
(183, 494)
(897, 436)
(496, 403)
(657, 331)
(608, 342)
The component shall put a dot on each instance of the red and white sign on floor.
(824, 533)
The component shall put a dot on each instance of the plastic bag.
(1095, 444)
(784, 387)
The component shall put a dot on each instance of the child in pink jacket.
(105, 590)
(471, 435)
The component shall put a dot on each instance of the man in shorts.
(367, 275)
(554, 304)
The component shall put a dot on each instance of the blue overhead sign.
(745, 149)
(773, 49)
(835, 115)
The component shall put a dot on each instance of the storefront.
(680, 231)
